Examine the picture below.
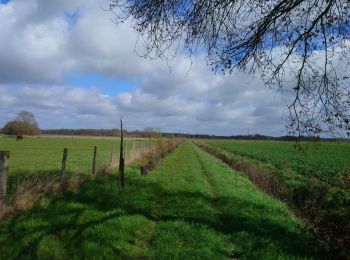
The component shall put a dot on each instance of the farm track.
(191, 206)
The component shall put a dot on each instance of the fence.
(4, 156)
(61, 163)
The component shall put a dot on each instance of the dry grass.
(32, 189)
(133, 156)
(148, 156)
(158, 149)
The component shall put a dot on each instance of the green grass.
(44, 154)
(191, 207)
(328, 161)
(316, 181)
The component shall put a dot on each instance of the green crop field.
(316, 181)
(192, 206)
(327, 161)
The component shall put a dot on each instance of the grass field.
(38, 157)
(191, 207)
(43, 155)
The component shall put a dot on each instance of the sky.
(73, 67)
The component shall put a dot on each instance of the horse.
(19, 137)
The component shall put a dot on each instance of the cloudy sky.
(69, 64)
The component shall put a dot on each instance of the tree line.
(99, 132)
(26, 124)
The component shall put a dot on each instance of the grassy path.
(191, 207)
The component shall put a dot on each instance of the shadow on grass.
(225, 215)
(98, 216)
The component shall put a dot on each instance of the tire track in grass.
(184, 192)
(220, 224)
(184, 213)
(205, 175)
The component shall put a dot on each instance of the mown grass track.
(191, 207)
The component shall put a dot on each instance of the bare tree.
(23, 124)
(26, 117)
(300, 47)
(151, 132)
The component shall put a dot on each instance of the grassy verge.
(192, 207)
(323, 203)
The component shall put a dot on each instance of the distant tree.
(150, 132)
(298, 46)
(23, 124)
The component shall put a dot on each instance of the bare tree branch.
(303, 42)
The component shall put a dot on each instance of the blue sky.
(72, 18)
(69, 64)
(107, 85)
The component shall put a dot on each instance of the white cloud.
(40, 43)
(183, 111)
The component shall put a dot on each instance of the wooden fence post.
(94, 161)
(125, 150)
(112, 153)
(64, 163)
(4, 157)
(121, 156)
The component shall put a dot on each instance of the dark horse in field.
(19, 137)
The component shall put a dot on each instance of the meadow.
(42, 155)
(192, 206)
(37, 160)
